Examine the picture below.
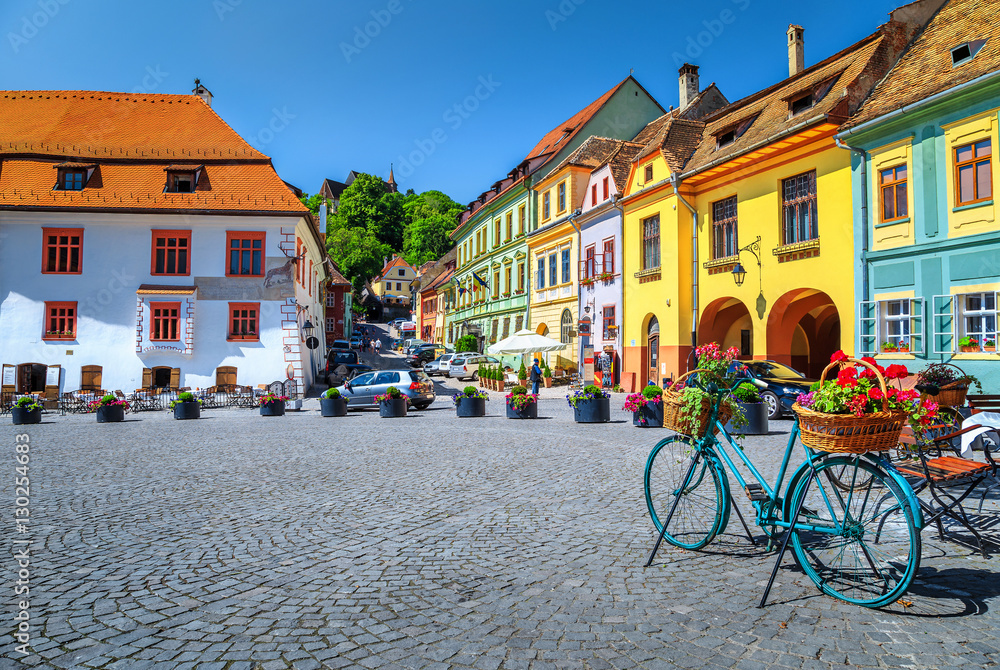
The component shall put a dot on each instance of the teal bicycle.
(852, 521)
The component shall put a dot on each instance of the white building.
(144, 243)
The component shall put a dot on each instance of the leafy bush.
(332, 393)
(652, 391)
(522, 374)
(465, 343)
(27, 403)
(469, 391)
(185, 396)
(595, 390)
(547, 372)
(747, 393)
(519, 390)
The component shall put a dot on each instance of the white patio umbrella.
(525, 342)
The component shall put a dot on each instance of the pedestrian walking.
(378, 346)
(536, 377)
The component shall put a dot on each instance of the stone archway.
(727, 321)
(803, 330)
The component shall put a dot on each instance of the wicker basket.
(673, 419)
(849, 434)
(952, 394)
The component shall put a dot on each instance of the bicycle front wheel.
(858, 543)
(681, 478)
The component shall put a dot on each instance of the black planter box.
(23, 417)
(756, 414)
(332, 407)
(276, 408)
(467, 407)
(597, 410)
(187, 410)
(530, 411)
(392, 409)
(649, 415)
(110, 414)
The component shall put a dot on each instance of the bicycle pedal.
(755, 492)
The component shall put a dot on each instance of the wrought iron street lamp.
(739, 272)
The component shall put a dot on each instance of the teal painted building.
(925, 151)
(491, 233)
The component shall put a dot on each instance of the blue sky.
(327, 87)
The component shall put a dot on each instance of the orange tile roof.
(397, 261)
(569, 128)
(132, 139)
(926, 68)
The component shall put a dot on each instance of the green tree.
(356, 251)
(427, 239)
(365, 204)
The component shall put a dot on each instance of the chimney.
(202, 92)
(689, 84)
(796, 50)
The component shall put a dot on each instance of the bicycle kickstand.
(742, 521)
(784, 541)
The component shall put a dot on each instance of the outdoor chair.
(934, 466)
(6, 402)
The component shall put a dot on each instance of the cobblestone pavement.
(244, 542)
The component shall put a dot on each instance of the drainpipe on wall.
(864, 214)
(527, 257)
(579, 294)
(676, 182)
(616, 202)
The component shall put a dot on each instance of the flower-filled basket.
(688, 409)
(857, 413)
(951, 381)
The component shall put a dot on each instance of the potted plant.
(109, 409)
(26, 410)
(752, 408)
(186, 406)
(889, 347)
(989, 345)
(646, 407)
(968, 344)
(272, 404)
(392, 404)
(947, 384)
(547, 376)
(591, 405)
(471, 403)
(333, 403)
(903, 347)
(522, 375)
(497, 378)
(521, 404)
(687, 403)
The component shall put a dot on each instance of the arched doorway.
(727, 321)
(803, 331)
(653, 351)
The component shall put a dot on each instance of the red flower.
(875, 393)
(858, 404)
(896, 371)
(868, 373)
(838, 356)
(847, 377)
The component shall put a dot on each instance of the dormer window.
(733, 133)
(726, 138)
(964, 53)
(182, 179)
(648, 173)
(73, 176)
(803, 101)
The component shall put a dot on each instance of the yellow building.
(392, 286)
(768, 190)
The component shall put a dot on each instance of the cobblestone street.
(238, 541)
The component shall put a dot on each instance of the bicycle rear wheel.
(861, 544)
(680, 477)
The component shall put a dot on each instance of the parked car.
(409, 342)
(344, 361)
(467, 366)
(424, 354)
(779, 385)
(356, 341)
(439, 366)
(414, 384)
(340, 344)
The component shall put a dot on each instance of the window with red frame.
(589, 263)
(165, 324)
(605, 188)
(60, 321)
(62, 250)
(609, 256)
(171, 252)
(609, 322)
(243, 321)
(246, 254)
(974, 172)
(593, 194)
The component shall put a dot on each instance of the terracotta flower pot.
(548, 382)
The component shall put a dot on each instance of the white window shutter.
(868, 327)
(917, 310)
(943, 325)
